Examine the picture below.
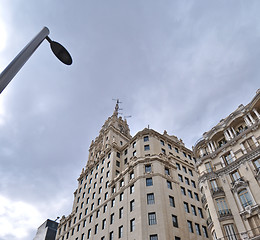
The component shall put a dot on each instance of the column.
(209, 147)
(251, 118)
(226, 135)
(201, 153)
(212, 146)
(256, 113)
(234, 132)
(248, 123)
(255, 141)
(243, 148)
(230, 133)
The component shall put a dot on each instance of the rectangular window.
(193, 184)
(178, 166)
(134, 153)
(172, 203)
(112, 217)
(184, 154)
(96, 229)
(170, 146)
(132, 189)
(162, 142)
(149, 182)
(167, 171)
(183, 191)
(187, 181)
(132, 204)
(154, 237)
(121, 196)
(113, 202)
(196, 196)
(190, 226)
(132, 225)
(184, 169)
(169, 184)
(111, 235)
(163, 151)
(97, 213)
(104, 223)
(193, 210)
(150, 198)
(89, 233)
(148, 168)
(230, 232)
(152, 218)
(121, 212)
(146, 147)
(197, 227)
(176, 150)
(146, 138)
(174, 221)
(205, 232)
(190, 193)
(200, 212)
(177, 238)
(134, 143)
(186, 207)
(117, 163)
(180, 177)
(120, 232)
(190, 172)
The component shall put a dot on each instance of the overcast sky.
(179, 66)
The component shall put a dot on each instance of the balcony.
(215, 192)
(224, 214)
(238, 183)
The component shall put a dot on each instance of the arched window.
(245, 198)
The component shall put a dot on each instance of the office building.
(47, 231)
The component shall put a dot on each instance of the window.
(120, 232)
(186, 207)
(107, 175)
(121, 196)
(190, 193)
(134, 143)
(163, 151)
(177, 238)
(104, 223)
(154, 237)
(189, 157)
(102, 169)
(96, 175)
(205, 232)
(193, 184)
(105, 208)
(80, 215)
(90, 218)
(106, 195)
(174, 221)
(150, 198)
(200, 212)
(125, 161)
(111, 235)
(132, 225)
(170, 146)
(197, 227)
(86, 211)
(184, 154)
(108, 164)
(257, 163)
(132, 189)
(125, 152)
(172, 203)
(184, 169)
(148, 168)
(178, 166)
(78, 227)
(96, 229)
(107, 184)
(122, 183)
(117, 163)
(152, 218)
(187, 181)
(89, 233)
(100, 190)
(121, 212)
(167, 171)
(97, 213)
(112, 217)
(132, 175)
(162, 142)
(113, 202)
(228, 158)
(149, 182)
(230, 232)
(190, 226)
(169, 184)
(176, 150)
(113, 189)
(193, 210)
(183, 191)
(132, 204)
(146, 138)
(196, 196)
(134, 153)
(208, 167)
(245, 198)
(146, 147)
(180, 177)
(190, 172)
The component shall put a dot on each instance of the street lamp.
(13, 68)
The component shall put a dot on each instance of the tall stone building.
(229, 174)
(139, 188)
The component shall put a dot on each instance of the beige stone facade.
(229, 177)
(138, 188)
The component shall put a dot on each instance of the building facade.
(139, 188)
(229, 177)
(47, 231)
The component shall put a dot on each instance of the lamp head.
(61, 53)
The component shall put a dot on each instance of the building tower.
(228, 165)
(141, 187)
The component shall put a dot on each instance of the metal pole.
(13, 68)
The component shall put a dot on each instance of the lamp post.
(13, 68)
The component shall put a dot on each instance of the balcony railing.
(224, 213)
(217, 191)
(248, 203)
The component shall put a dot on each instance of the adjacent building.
(47, 231)
(140, 188)
(229, 174)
